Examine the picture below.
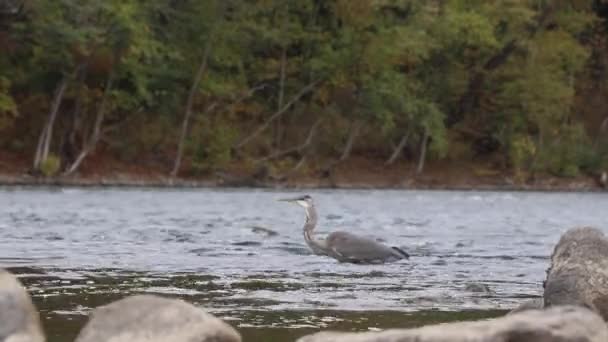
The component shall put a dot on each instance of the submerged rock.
(559, 324)
(578, 274)
(478, 287)
(154, 319)
(246, 243)
(263, 230)
(19, 319)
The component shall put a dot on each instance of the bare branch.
(247, 95)
(277, 114)
(297, 148)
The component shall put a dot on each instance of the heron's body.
(344, 246)
(347, 247)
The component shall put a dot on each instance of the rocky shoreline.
(574, 307)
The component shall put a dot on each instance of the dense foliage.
(518, 84)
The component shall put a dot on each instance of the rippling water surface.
(241, 254)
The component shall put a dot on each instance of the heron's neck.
(311, 219)
(318, 246)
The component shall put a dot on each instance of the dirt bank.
(353, 173)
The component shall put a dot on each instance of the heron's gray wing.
(352, 248)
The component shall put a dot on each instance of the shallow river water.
(240, 254)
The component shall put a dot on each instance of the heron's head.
(304, 201)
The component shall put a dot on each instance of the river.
(240, 254)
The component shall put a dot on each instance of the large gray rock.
(154, 319)
(558, 324)
(578, 274)
(19, 319)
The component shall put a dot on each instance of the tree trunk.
(304, 151)
(188, 111)
(74, 137)
(538, 151)
(279, 124)
(469, 100)
(441, 5)
(352, 136)
(353, 132)
(398, 149)
(604, 125)
(601, 132)
(44, 141)
(422, 157)
(89, 146)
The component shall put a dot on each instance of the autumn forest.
(197, 87)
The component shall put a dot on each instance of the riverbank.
(355, 173)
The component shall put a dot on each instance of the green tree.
(516, 85)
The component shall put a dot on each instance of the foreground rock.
(559, 324)
(19, 320)
(579, 271)
(154, 319)
(532, 304)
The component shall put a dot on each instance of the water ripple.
(242, 249)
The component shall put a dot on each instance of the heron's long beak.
(290, 200)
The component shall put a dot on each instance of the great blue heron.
(344, 246)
